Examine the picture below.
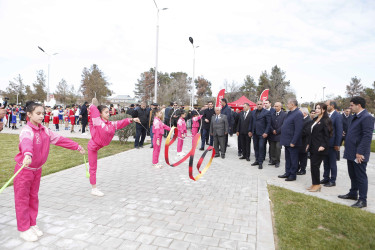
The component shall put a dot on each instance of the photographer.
(3, 113)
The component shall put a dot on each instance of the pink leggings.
(156, 152)
(180, 144)
(93, 165)
(26, 188)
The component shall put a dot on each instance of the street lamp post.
(157, 52)
(323, 93)
(192, 84)
(17, 99)
(49, 62)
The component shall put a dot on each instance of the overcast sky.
(318, 43)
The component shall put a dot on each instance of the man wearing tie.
(330, 164)
(243, 131)
(357, 151)
(291, 139)
(219, 130)
(277, 120)
(259, 128)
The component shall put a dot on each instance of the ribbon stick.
(191, 154)
(11, 179)
(87, 171)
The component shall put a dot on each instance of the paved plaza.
(147, 208)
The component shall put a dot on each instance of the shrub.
(124, 133)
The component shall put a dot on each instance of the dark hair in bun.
(31, 106)
(101, 108)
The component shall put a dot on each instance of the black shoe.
(272, 163)
(201, 149)
(247, 159)
(239, 154)
(152, 146)
(207, 143)
(330, 184)
(301, 172)
(242, 157)
(283, 176)
(260, 166)
(136, 147)
(217, 155)
(228, 146)
(291, 178)
(223, 156)
(277, 165)
(360, 204)
(255, 163)
(324, 181)
(348, 197)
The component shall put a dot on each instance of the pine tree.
(94, 83)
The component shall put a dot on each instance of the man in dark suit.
(226, 110)
(267, 105)
(219, 130)
(173, 115)
(140, 128)
(236, 117)
(330, 164)
(84, 116)
(346, 120)
(277, 120)
(206, 122)
(244, 120)
(291, 139)
(357, 151)
(302, 156)
(259, 128)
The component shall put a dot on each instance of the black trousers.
(359, 181)
(84, 124)
(245, 142)
(140, 135)
(302, 161)
(239, 146)
(275, 151)
(316, 161)
(219, 141)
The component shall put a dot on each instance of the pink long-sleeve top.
(181, 126)
(102, 131)
(196, 121)
(158, 127)
(35, 141)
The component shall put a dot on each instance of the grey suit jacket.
(219, 127)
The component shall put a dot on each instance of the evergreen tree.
(94, 83)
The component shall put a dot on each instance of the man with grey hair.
(219, 130)
(302, 156)
(291, 139)
(277, 120)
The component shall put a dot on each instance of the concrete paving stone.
(129, 235)
(204, 231)
(70, 244)
(248, 230)
(47, 240)
(241, 223)
(194, 246)
(99, 229)
(94, 247)
(225, 220)
(238, 236)
(218, 226)
(111, 243)
(246, 246)
(194, 238)
(145, 229)
(162, 242)
(188, 229)
(128, 244)
(159, 224)
(27, 245)
(97, 239)
(145, 238)
(179, 245)
(228, 244)
(176, 235)
(147, 247)
(173, 226)
(210, 241)
(221, 234)
(232, 228)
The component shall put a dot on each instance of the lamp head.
(41, 49)
(191, 40)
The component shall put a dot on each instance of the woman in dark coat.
(320, 133)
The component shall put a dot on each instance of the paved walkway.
(146, 208)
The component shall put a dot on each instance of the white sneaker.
(96, 192)
(37, 231)
(155, 165)
(160, 166)
(84, 133)
(182, 153)
(29, 235)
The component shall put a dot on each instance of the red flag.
(264, 95)
(219, 97)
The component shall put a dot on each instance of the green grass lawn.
(373, 146)
(59, 158)
(307, 222)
